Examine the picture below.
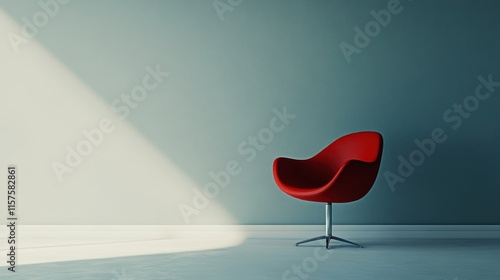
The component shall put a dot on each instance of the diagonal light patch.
(125, 180)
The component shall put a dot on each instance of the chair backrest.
(364, 146)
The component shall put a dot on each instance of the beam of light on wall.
(124, 181)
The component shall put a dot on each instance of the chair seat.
(304, 174)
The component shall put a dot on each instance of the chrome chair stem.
(328, 232)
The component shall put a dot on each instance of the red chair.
(344, 171)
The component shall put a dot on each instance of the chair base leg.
(328, 238)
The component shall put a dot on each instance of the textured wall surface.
(171, 112)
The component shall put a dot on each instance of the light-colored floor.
(401, 259)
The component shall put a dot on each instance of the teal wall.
(227, 76)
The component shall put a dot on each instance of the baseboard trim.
(152, 232)
(377, 231)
